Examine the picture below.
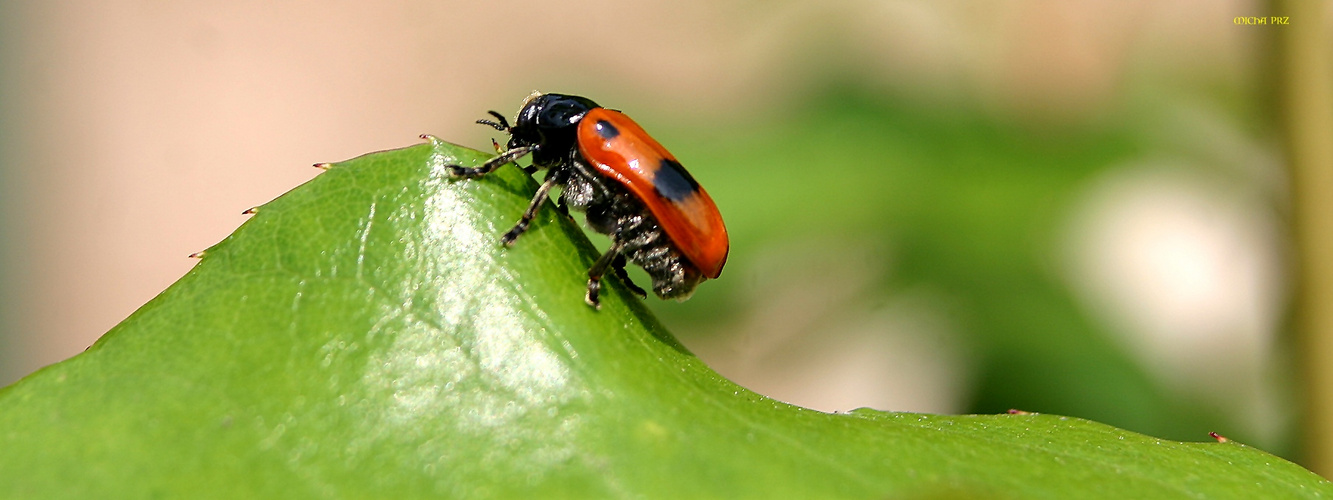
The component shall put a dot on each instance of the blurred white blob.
(1187, 269)
(818, 333)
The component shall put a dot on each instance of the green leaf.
(365, 335)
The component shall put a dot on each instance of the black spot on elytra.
(673, 182)
(606, 129)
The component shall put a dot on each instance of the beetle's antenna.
(500, 124)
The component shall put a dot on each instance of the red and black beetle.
(629, 186)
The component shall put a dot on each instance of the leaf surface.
(365, 335)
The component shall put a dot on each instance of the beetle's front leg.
(491, 164)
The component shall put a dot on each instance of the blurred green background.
(955, 207)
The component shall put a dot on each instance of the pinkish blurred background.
(1126, 150)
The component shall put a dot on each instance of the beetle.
(629, 187)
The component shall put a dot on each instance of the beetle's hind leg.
(598, 270)
(490, 165)
(553, 177)
(619, 266)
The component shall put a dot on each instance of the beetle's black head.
(550, 122)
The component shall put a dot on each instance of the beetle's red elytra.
(629, 186)
(618, 148)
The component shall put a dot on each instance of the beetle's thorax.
(549, 122)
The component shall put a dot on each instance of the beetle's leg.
(619, 266)
(491, 164)
(596, 272)
(501, 124)
(553, 177)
